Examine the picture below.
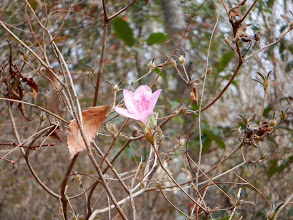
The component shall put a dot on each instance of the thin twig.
(36, 106)
(172, 178)
(113, 142)
(55, 195)
(223, 90)
(64, 198)
(225, 7)
(245, 181)
(280, 38)
(263, 107)
(200, 102)
(64, 20)
(247, 12)
(163, 194)
(122, 10)
(101, 65)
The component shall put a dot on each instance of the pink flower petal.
(143, 89)
(153, 100)
(143, 118)
(124, 112)
(128, 100)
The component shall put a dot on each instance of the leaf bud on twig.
(273, 122)
(210, 70)
(174, 63)
(151, 65)
(115, 88)
(181, 59)
(227, 41)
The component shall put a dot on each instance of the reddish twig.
(29, 147)
(10, 161)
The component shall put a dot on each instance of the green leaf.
(286, 128)
(178, 119)
(123, 31)
(157, 38)
(290, 212)
(267, 110)
(157, 70)
(206, 143)
(162, 75)
(225, 60)
(289, 66)
(214, 137)
(275, 168)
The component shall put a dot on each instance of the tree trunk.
(175, 26)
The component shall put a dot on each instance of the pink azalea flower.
(140, 104)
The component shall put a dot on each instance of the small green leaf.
(162, 75)
(289, 66)
(157, 70)
(225, 60)
(275, 168)
(157, 38)
(286, 128)
(178, 119)
(267, 110)
(214, 137)
(123, 31)
(207, 141)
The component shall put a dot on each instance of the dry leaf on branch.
(241, 32)
(236, 10)
(286, 18)
(53, 95)
(194, 95)
(92, 120)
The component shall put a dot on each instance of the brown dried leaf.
(22, 110)
(241, 32)
(53, 96)
(31, 83)
(18, 95)
(92, 121)
(257, 35)
(55, 133)
(236, 10)
(194, 95)
(286, 18)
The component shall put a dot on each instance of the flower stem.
(263, 106)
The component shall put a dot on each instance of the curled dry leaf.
(286, 18)
(92, 120)
(241, 33)
(194, 95)
(31, 83)
(236, 10)
(257, 36)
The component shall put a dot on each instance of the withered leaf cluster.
(13, 83)
(254, 135)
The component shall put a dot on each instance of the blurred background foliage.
(134, 39)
